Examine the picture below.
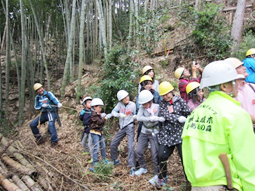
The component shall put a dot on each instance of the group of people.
(201, 129)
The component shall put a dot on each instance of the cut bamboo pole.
(16, 154)
(8, 185)
(19, 167)
(31, 183)
(20, 183)
(44, 183)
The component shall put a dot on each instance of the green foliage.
(103, 170)
(247, 43)
(210, 32)
(149, 33)
(118, 74)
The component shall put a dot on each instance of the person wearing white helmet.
(246, 92)
(148, 70)
(249, 63)
(174, 110)
(219, 125)
(148, 114)
(47, 103)
(85, 115)
(126, 111)
(184, 77)
(97, 121)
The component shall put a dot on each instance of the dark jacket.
(85, 117)
(171, 130)
(96, 123)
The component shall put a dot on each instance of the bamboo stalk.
(44, 183)
(20, 183)
(8, 185)
(19, 167)
(31, 183)
(16, 154)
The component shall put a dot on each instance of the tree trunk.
(237, 26)
(69, 51)
(102, 26)
(131, 11)
(42, 45)
(81, 48)
(23, 64)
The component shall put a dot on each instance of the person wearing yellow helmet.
(196, 95)
(185, 77)
(47, 103)
(249, 63)
(174, 110)
(148, 70)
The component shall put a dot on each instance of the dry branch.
(5, 148)
(20, 183)
(8, 185)
(234, 8)
(44, 183)
(19, 167)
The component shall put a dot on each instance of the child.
(126, 111)
(97, 121)
(174, 110)
(196, 95)
(148, 114)
(85, 115)
(185, 77)
(148, 70)
(146, 84)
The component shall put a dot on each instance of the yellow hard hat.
(145, 77)
(234, 61)
(165, 87)
(146, 68)
(250, 52)
(178, 72)
(191, 86)
(37, 86)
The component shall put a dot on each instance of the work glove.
(153, 118)
(161, 119)
(103, 115)
(59, 105)
(122, 115)
(108, 116)
(182, 119)
(45, 105)
(82, 112)
(134, 116)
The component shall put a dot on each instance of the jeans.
(129, 131)
(86, 142)
(96, 141)
(45, 116)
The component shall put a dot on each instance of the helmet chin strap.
(234, 87)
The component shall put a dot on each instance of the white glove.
(108, 116)
(161, 119)
(182, 119)
(59, 105)
(45, 105)
(103, 115)
(134, 116)
(122, 115)
(153, 118)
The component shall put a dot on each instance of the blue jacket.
(249, 63)
(47, 97)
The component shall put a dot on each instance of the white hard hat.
(144, 97)
(96, 101)
(218, 72)
(122, 94)
(86, 98)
